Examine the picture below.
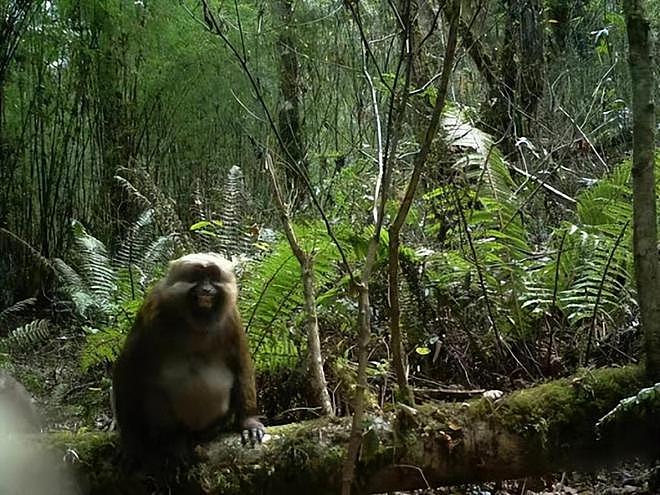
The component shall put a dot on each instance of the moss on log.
(543, 429)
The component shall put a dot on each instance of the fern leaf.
(17, 309)
(67, 276)
(232, 238)
(94, 264)
(101, 347)
(158, 252)
(137, 238)
(139, 199)
(29, 335)
(165, 213)
(271, 296)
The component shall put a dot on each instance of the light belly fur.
(199, 393)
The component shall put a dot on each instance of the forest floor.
(626, 479)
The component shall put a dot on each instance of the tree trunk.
(532, 67)
(314, 354)
(544, 429)
(645, 240)
(398, 354)
(289, 119)
(516, 84)
(306, 261)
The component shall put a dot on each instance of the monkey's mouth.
(205, 301)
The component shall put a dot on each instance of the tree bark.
(645, 239)
(539, 430)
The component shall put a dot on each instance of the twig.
(584, 136)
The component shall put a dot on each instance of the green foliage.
(271, 292)
(114, 286)
(140, 258)
(97, 283)
(585, 270)
(643, 407)
(93, 281)
(143, 189)
(203, 224)
(271, 296)
(492, 241)
(224, 231)
(29, 335)
(588, 273)
(350, 190)
(101, 288)
(102, 346)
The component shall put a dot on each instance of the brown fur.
(185, 371)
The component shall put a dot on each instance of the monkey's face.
(206, 281)
(207, 295)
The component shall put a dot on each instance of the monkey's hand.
(252, 431)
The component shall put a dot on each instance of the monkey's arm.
(244, 394)
(132, 376)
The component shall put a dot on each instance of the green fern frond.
(93, 263)
(29, 335)
(601, 281)
(271, 295)
(599, 250)
(69, 278)
(131, 282)
(609, 201)
(139, 234)
(101, 346)
(139, 257)
(498, 246)
(158, 253)
(165, 213)
(231, 236)
(138, 198)
(76, 289)
(589, 275)
(16, 309)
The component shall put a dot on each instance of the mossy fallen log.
(528, 432)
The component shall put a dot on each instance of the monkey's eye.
(194, 275)
(213, 273)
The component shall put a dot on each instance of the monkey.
(185, 369)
